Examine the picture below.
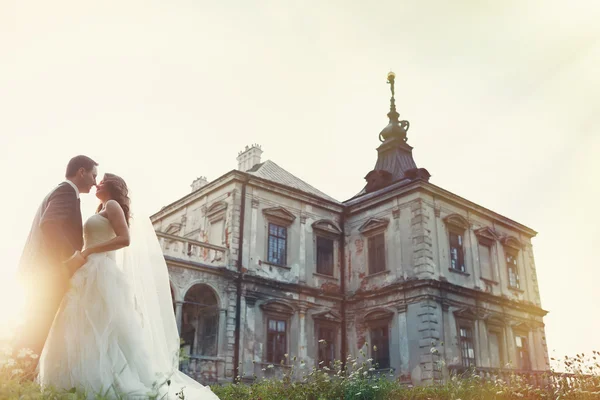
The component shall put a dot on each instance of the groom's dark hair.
(79, 162)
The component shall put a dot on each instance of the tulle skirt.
(95, 344)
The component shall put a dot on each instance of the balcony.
(206, 370)
(538, 379)
(190, 250)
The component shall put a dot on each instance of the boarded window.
(326, 342)
(513, 269)
(523, 360)
(485, 261)
(216, 232)
(457, 256)
(324, 256)
(277, 244)
(495, 349)
(276, 340)
(380, 339)
(376, 253)
(467, 350)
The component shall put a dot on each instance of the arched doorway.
(200, 324)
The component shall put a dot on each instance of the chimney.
(249, 157)
(199, 183)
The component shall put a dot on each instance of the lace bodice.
(97, 229)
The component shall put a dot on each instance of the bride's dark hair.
(119, 192)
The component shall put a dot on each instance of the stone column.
(302, 336)
(179, 315)
(477, 346)
(510, 346)
(532, 350)
(403, 341)
(475, 265)
(222, 348)
(253, 234)
(397, 244)
(302, 255)
(250, 353)
(483, 345)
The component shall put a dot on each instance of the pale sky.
(502, 97)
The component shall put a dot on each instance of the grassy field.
(358, 381)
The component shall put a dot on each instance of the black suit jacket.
(56, 232)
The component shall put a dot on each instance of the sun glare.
(11, 305)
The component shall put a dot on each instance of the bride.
(115, 333)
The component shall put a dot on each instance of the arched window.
(200, 325)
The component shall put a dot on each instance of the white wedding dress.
(100, 341)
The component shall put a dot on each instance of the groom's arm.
(61, 207)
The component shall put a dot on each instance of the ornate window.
(276, 339)
(457, 227)
(374, 230)
(457, 255)
(326, 332)
(324, 256)
(486, 238)
(523, 358)
(467, 348)
(277, 326)
(511, 251)
(378, 323)
(376, 251)
(327, 234)
(278, 221)
(277, 248)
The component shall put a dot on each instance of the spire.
(396, 128)
(395, 162)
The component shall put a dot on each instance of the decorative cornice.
(277, 306)
(373, 225)
(378, 314)
(328, 316)
(279, 214)
(457, 221)
(255, 202)
(216, 208)
(396, 212)
(327, 226)
(512, 242)
(486, 234)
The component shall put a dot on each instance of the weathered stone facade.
(262, 265)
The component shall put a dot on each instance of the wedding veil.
(144, 265)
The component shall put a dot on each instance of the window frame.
(277, 238)
(275, 310)
(524, 363)
(461, 246)
(467, 362)
(318, 267)
(514, 267)
(384, 324)
(277, 319)
(381, 262)
(334, 327)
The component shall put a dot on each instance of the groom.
(52, 252)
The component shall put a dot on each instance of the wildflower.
(374, 348)
(270, 366)
(17, 371)
(7, 350)
(24, 353)
(10, 362)
(322, 341)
